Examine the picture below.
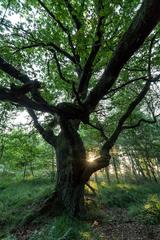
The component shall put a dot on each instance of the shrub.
(149, 212)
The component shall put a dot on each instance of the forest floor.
(121, 227)
(117, 212)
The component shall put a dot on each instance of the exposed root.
(51, 206)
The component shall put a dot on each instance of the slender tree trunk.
(152, 168)
(108, 175)
(31, 168)
(150, 165)
(115, 169)
(24, 171)
(147, 169)
(53, 165)
(157, 166)
(133, 166)
(138, 163)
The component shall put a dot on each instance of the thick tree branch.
(88, 67)
(23, 78)
(143, 23)
(101, 162)
(97, 164)
(13, 72)
(109, 144)
(128, 112)
(67, 110)
(48, 135)
(7, 95)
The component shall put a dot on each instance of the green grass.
(18, 200)
(141, 201)
(66, 228)
(119, 195)
(63, 228)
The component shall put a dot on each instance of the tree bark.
(115, 169)
(108, 175)
(71, 162)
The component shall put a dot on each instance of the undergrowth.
(18, 200)
(141, 201)
(66, 228)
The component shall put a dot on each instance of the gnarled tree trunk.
(71, 162)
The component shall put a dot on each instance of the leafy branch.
(88, 67)
(72, 12)
(63, 28)
(141, 26)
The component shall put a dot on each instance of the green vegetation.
(20, 198)
(148, 211)
(65, 228)
(79, 119)
(141, 201)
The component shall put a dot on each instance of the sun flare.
(91, 157)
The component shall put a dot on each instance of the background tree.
(26, 153)
(141, 145)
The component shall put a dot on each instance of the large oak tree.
(82, 53)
